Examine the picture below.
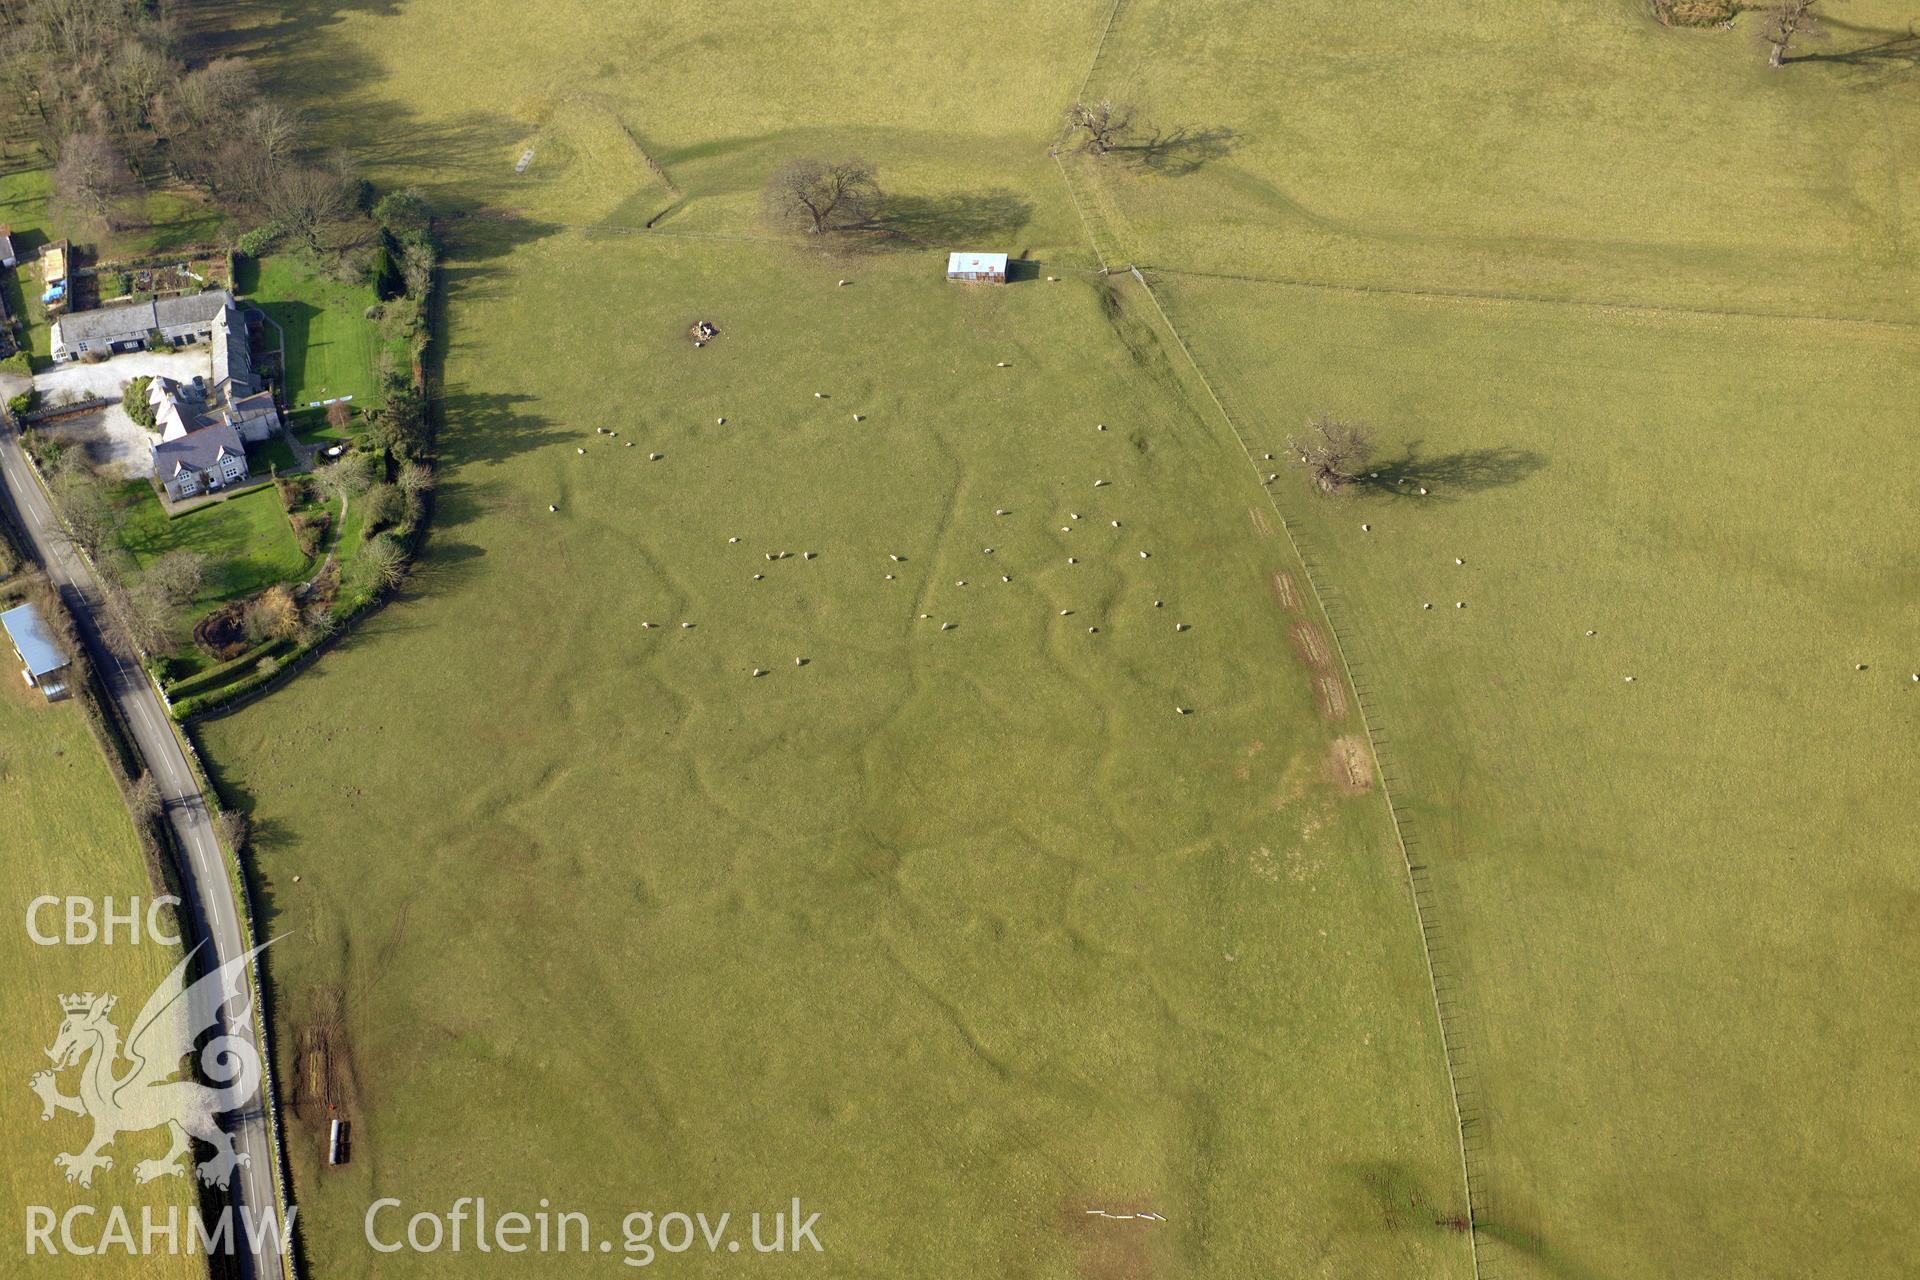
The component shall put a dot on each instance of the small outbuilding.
(42, 664)
(9, 257)
(989, 268)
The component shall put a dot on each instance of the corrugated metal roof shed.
(33, 641)
(972, 264)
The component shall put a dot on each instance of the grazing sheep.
(1181, 626)
(1629, 679)
(799, 662)
(731, 541)
(629, 444)
(719, 422)
(896, 559)
(1459, 604)
(1101, 484)
(845, 283)
(1143, 555)
(1002, 511)
(759, 671)
(686, 626)
(1066, 613)
(809, 555)
(889, 577)
(961, 582)
(1859, 666)
(1103, 426)
(1116, 524)
(1003, 365)
(1185, 711)
(1158, 603)
(551, 507)
(1005, 578)
(1423, 491)
(1065, 529)
(1427, 605)
(859, 417)
(1592, 633)
(819, 395)
(1073, 560)
(646, 626)
(1366, 528)
(579, 450)
(599, 431)
(773, 555)
(1458, 560)
(654, 457)
(946, 626)
(1093, 631)
(986, 551)
(758, 576)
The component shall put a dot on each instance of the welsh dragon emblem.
(130, 1086)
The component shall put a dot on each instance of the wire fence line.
(1543, 299)
(1443, 975)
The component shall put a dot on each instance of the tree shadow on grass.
(1177, 152)
(1450, 475)
(482, 426)
(1894, 56)
(977, 218)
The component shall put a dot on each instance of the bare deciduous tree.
(177, 575)
(384, 561)
(306, 200)
(823, 195)
(234, 828)
(1333, 452)
(1784, 22)
(91, 179)
(144, 798)
(1101, 126)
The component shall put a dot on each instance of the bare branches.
(1332, 451)
(819, 196)
(91, 179)
(1784, 22)
(1100, 126)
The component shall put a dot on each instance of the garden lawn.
(66, 832)
(330, 344)
(247, 541)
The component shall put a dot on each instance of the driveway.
(112, 441)
(108, 378)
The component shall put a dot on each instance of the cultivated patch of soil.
(1285, 593)
(1331, 695)
(1350, 765)
(1312, 644)
(223, 632)
(1262, 525)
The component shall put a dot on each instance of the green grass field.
(247, 541)
(959, 933)
(330, 345)
(67, 833)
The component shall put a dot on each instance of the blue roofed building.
(43, 665)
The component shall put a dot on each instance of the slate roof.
(134, 320)
(197, 450)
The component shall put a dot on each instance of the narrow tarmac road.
(211, 911)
